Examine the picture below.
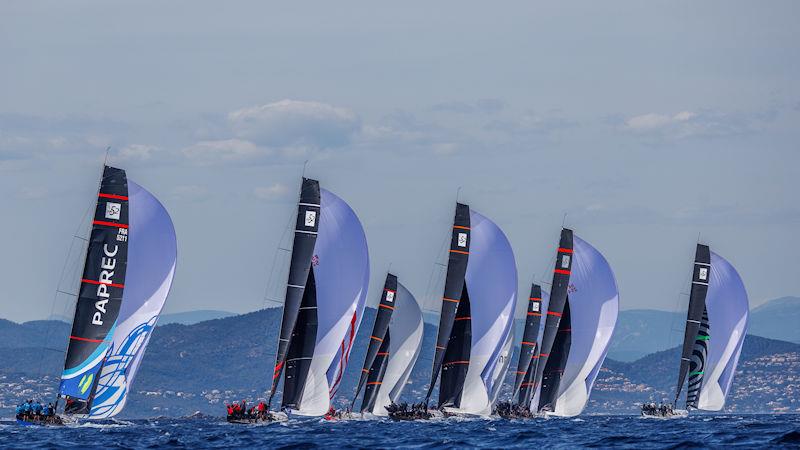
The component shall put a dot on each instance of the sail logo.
(389, 296)
(315, 260)
(311, 218)
(107, 265)
(86, 382)
(113, 210)
(462, 239)
(703, 273)
(565, 261)
(536, 307)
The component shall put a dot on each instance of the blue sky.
(648, 124)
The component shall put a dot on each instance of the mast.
(558, 299)
(379, 335)
(305, 237)
(100, 293)
(697, 305)
(529, 349)
(453, 287)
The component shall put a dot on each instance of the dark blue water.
(591, 431)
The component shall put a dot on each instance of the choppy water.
(781, 431)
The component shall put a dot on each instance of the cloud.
(225, 151)
(697, 124)
(294, 123)
(652, 121)
(136, 153)
(276, 191)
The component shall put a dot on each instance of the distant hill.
(643, 331)
(190, 368)
(777, 319)
(192, 317)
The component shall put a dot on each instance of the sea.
(699, 431)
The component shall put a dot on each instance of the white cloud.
(136, 153)
(225, 151)
(275, 192)
(295, 123)
(652, 121)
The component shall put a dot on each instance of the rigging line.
(276, 260)
(430, 295)
(84, 247)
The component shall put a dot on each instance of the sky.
(643, 126)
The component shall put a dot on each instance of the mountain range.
(197, 367)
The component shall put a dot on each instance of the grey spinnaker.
(593, 310)
(583, 329)
(715, 339)
(402, 351)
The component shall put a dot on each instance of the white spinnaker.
(405, 331)
(341, 271)
(728, 316)
(491, 281)
(152, 255)
(593, 306)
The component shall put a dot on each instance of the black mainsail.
(454, 287)
(529, 350)
(378, 345)
(100, 294)
(694, 318)
(292, 323)
(555, 308)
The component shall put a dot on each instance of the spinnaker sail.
(130, 263)
(581, 316)
(399, 350)
(477, 314)
(325, 296)
(716, 325)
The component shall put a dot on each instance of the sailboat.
(477, 314)
(716, 325)
(394, 347)
(580, 319)
(528, 359)
(128, 271)
(325, 295)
